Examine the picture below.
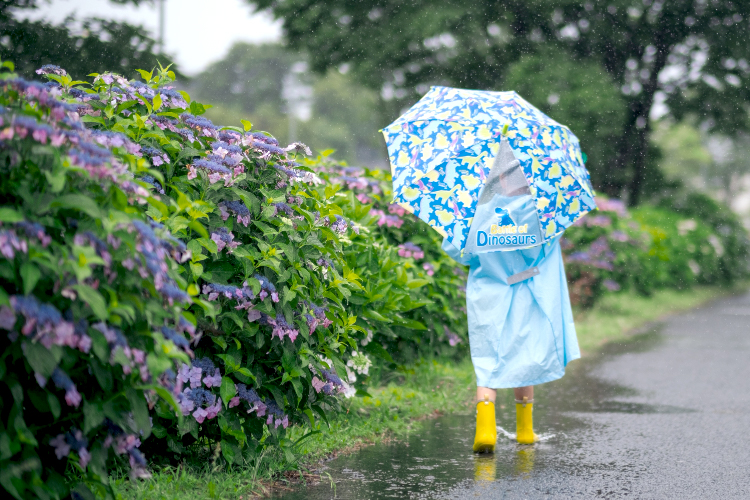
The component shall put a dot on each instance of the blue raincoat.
(521, 334)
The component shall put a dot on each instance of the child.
(521, 330)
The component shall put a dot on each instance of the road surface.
(665, 415)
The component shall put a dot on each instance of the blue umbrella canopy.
(487, 170)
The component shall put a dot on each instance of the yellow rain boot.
(486, 436)
(524, 421)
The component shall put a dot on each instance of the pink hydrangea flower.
(214, 410)
(200, 415)
(317, 384)
(213, 380)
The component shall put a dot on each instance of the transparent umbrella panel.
(506, 216)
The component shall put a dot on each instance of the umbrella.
(487, 170)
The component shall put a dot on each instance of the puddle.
(437, 462)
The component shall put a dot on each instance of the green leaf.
(227, 390)
(410, 323)
(92, 119)
(196, 269)
(125, 105)
(42, 360)
(230, 451)
(54, 405)
(197, 108)
(159, 431)
(145, 74)
(94, 299)
(220, 342)
(9, 215)
(188, 152)
(24, 433)
(376, 349)
(140, 411)
(188, 425)
(373, 314)
(157, 101)
(56, 179)
(246, 124)
(416, 283)
(93, 416)
(78, 202)
(244, 371)
(30, 275)
(297, 387)
(198, 228)
(209, 245)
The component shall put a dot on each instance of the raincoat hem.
(542, 380)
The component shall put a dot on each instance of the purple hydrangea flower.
(62, 381)
(236, 207)
(51, 69)
(409, 249)
(611, 285)
(224, 238)
(213, 380)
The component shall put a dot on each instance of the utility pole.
(162, 17)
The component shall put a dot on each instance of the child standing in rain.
(521, 330)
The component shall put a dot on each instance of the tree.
(248, 77)
(682, 50)
(253, 82)
(81, 47)
(579, 94)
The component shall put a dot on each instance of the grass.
(393, 411)
(397, 407)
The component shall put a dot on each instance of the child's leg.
(490, 394)
(524, 420)
(521, 392)
(486, 435)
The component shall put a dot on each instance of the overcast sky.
(197, 32)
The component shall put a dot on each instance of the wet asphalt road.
(665, 415)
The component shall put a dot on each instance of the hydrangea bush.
(93, 309)
(190, 268)
(651, 248)
(412, 302)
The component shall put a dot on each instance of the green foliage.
(263, 82)
(412, 295)
(685, 156)
(247, 81)
(578, 93)
(732, 235)
(87, 345)
(395, 409)
(689, 241)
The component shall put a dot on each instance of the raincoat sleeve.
(456, 254)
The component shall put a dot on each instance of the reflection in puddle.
(485, 468)
(524, 462)
(437, 462)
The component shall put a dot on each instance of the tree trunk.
(640, 112)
